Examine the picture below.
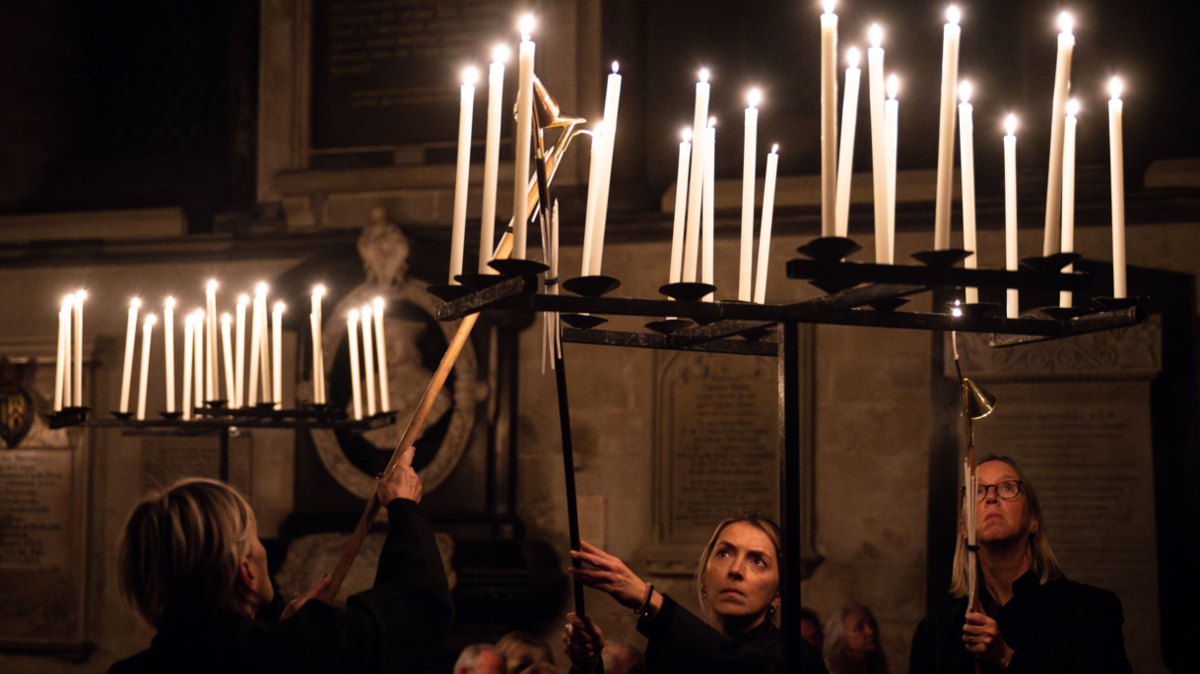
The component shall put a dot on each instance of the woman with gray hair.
(852, 642)
(1028, 616)
(192, 565)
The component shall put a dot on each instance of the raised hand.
(401, 482)
(608, 574)
(582, 643)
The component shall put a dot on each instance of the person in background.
(852, 642)
(810, 628)
(192, 565)
(540, 668)
(522, 650)
(738, 583)
(479, 659)
(620, 658)
(1029, 617)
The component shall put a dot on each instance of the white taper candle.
(144, 378)
(846, 158)
(768, 215)
(945, 166)
(130, 338)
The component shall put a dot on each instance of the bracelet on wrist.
(643, 611)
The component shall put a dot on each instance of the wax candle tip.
(212, 285)
(151, 319)
(875, 34)
(80, 295)
(280, 306)
(243, 299)
(754, 97)
(893, 86)
(226, 319)
(964, 91)
(135, 303)
(378, 302)
(261, 288)
(318, 290)
(470, 75)
(953, 15)
(1072, 107)
(1066, 23)
(500, 53)
(353, 314)
(1115, 88)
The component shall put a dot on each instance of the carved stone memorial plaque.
(1075, 414)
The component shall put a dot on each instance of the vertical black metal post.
(224, 460)
(789, 488)
(564, 420)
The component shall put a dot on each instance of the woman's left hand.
(983, 638)
(312, 593)
(608, 574)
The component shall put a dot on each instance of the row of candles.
(691, 252)
(201, 373)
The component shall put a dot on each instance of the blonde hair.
(1044, 563)
(180, 551)
(522, 650)
(763, 524)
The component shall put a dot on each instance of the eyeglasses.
(1008, 490)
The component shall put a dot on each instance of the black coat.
(396, 626)
(681, 643)
(1062, 627)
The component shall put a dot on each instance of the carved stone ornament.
(16, 406)
(415, 343)
(1128, 353)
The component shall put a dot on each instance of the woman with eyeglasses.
(1030, 617)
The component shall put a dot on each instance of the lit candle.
(878, 142)
(458, 231)
(945, 165)
(768, 214)
(891, 123)
(189, 339)
(77, 397)
(385, 400)
(60, 364)
(1062, 89)
(524, 137)
(1011, 259)
(710, 144)
(691, 247)
(966, 129)
(264, 346)
(491, 159)
(355, 377)
(368, 358)
(68, 345)
(277, 351)
(1116, 149)
(593, 198)
(318, 359)
(829, 24)
(227, 343)
(143, 380)
(239, 364)
(846, 159)
(198, 336)
(612, 102)
(1068, 193)
(749, 178)
(256, 338)
(211, 383)
(169, 348)
(130, 338)
(681, 196)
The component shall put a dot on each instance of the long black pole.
(568, 452)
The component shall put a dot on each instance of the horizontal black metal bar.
(714, 331)
(861, 272)
(1080, 326)
(214, 425)
(486, 298)
(649, 340)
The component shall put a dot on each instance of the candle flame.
(260, 289)
(1115, 88)
(135, 303)
(378, 302)
(243, 300)
(212, 286)
(169, 303)
(829, 6)
(68, 301)
(704, 75)
(1066, 23)
(754, 97)
(964, 91)
(956, 310)
(366, 311)
(189, 321)
(279, 307)
(686, 135)
(199, 314)
(470, 75)
(616, 67)
(226, 319)
(775, 148)
(80, 296)
(500, 53)
(875, 34)
(1072, 108)
(852, 58)
(318, 290)
(151, 319)
(893, 86)
(1010, 125)
(712, 122)
(526, 25)
(353, 315)
(953, 15)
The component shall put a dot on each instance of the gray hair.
(469, 658)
